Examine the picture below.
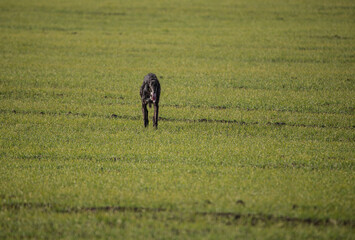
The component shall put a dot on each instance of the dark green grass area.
(109, 224)
(256, 131)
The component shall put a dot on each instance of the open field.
(257, 132)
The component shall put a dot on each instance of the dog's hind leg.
(145, 114)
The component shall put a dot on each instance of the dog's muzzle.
(153, 97)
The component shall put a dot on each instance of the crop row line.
(255, 108)
(170, 119)
(344, 164)
(119, 100)
(229, 216)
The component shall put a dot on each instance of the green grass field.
(257, 132)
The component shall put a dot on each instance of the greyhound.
(150, 93)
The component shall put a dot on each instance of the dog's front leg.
(145, 114)
(155, 116)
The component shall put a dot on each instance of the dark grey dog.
(150, 93)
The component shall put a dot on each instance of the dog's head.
(153, 87)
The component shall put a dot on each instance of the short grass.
(256, 136)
